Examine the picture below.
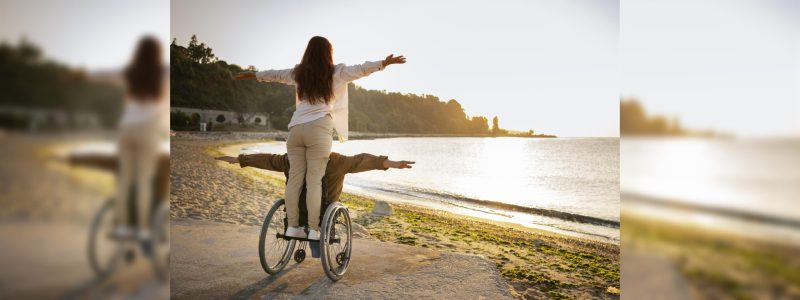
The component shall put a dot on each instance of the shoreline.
(713, 211)
(536, 263)
(469, 208)
(282, 135)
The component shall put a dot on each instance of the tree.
(28, 51)
(178, 120)
(200, 53)
(495, 125)
(209, 86)
(634, 120)
(31, 80)
(196, 119)
(479, 125)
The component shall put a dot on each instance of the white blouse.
(153, 115)
(337, 106)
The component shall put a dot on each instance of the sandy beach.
(535, 263)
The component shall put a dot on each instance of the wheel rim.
(104, 251)
(276, 251)
(161, 241)
(338, 244)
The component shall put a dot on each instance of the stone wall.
(230, 117)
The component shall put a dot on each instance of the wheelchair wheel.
(336, 241)
(273, 251)
(161, 242)
(300, 252)
(300, 255)
(105, 253)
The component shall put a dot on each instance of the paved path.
(45, 260)
(649, 276)
(213, 260)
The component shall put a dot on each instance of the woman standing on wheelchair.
(321, 106)
(143, 126)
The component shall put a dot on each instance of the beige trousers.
(138, 151)
(308, 148)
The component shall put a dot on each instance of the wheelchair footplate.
(286, 237)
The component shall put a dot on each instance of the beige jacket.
(333, 181)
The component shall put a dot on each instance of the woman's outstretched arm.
(391, 60)
(282, 76)
(351, 73)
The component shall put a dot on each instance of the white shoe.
(123, 233)
(313, 235)
(143, 234)
(296, 232)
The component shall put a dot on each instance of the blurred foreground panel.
(710, 149)
(61, 94)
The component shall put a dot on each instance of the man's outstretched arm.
(367, 162)
(266, 161)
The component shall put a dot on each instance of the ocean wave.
(712, 210)
(460, 200)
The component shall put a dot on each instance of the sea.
(565, 185)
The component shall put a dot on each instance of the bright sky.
(550, 66)
(732, 66)
(93, 34)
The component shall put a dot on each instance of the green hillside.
(200, 80)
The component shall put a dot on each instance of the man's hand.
(228, 159)
(403, 164)
(244, 75)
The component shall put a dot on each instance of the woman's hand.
(403, 164)
(244, 75)
(390, 60)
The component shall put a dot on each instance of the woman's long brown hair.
(145, 74)
(314, 75)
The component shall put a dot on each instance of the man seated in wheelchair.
(332, 182)
(159, 187)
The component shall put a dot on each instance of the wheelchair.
(105, 252)
(275, 249)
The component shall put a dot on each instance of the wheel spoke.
(275, 252)
(337, 256)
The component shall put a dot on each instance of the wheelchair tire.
(274, 252)
(160, 255)
(336, 241)
(105, 254)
